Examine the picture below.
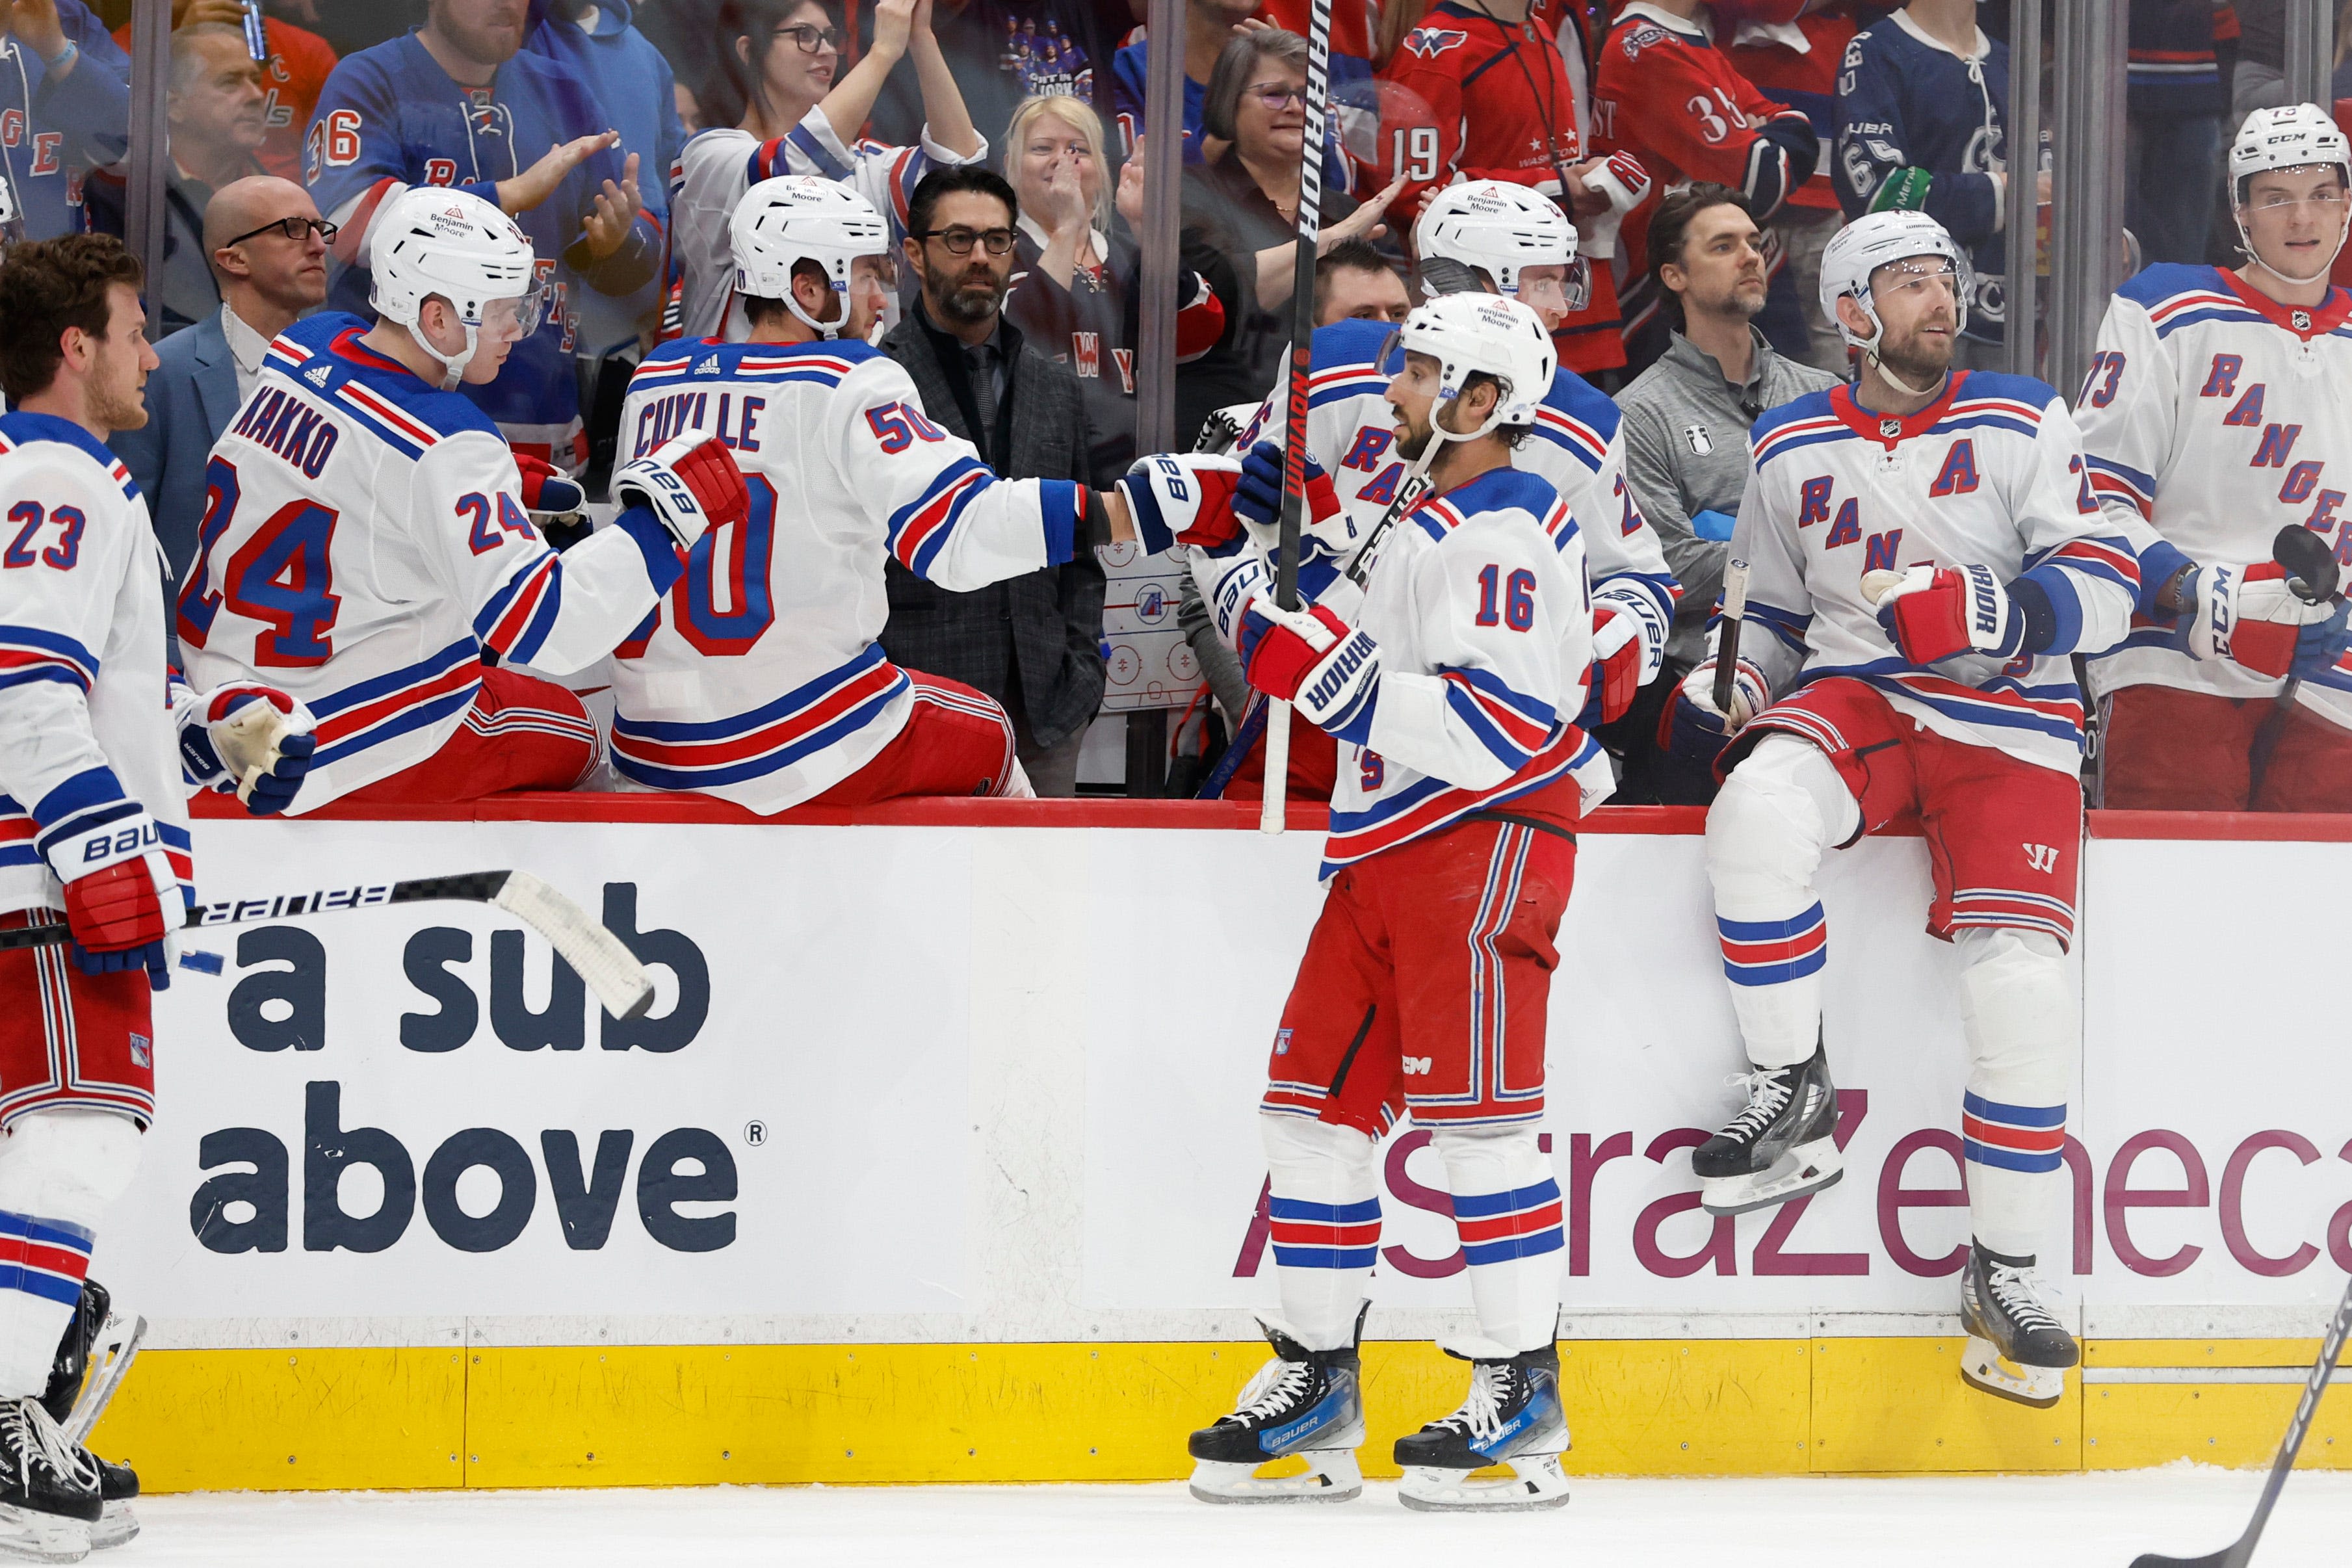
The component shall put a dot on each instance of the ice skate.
(95, 1352)
(118, 1489)
(2017, 1348)
(1782, 1147)
(1513, 1416)
(1304, 1404)
(49, 1500)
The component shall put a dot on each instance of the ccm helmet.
(2293, 136)
(454, 244)
(1494, 226)
(803, 217)
(1492, 332)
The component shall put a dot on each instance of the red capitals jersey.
(1524, 131)
(292, 76)
(1664, 93)
(1353, 23)
(1755, 36)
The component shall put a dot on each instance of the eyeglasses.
(1275, 96)
(960, 240)
(296, 229)
(810, 39)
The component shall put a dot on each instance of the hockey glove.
(689, 483)
(1315, 661)
(1694, 728)
(558, 506)
(1258, 497)
(1182, 497)
(123, 905)
(2252, 616)
(1616, 667)
(1931, 612)
(250, 741)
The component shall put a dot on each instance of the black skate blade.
(1796, 1196)
(2223, 1558)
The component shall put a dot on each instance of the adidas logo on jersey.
(708, 366)
(317, 375)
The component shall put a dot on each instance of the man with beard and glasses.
(1925, 554)
(1032, 642)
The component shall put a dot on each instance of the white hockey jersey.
(2213, 416)
(719, 164)
(364, 547)
(759, 678)
(1990, 474)
(1576, 449)
(1479, 604)
(85, 721)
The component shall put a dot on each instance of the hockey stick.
(2237, 1554)
(594, 954)
(2311, 562)
(1726, 643)
(1302, 351)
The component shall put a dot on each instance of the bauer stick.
(1726, 642)
(594, 954)
(2237, 1554)
(1302, 350)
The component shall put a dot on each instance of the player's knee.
(1480, 1160)
(68, 1163)
(1781, 810)
(2023, 1029)
(1317, 1160)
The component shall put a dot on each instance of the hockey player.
(2218, 411)
(1503, 239)
(760, 679)
(98, 750)
(367, 542)
(1451, 850)
(1924, 554)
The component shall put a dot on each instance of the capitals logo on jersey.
(1431, 42)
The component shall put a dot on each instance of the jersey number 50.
(282, 577)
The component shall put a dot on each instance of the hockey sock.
(60, 1170)
(2023, 1035)
(1781, 810)
(1506, 1210)
(1323, 1204)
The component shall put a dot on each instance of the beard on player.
(1921, 352)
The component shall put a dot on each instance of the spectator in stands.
(67, 85)
(293, 71)
(1076, 276)
(1005, 52)
(1923, 103)
(1664, 93)
(457, 102)
(1685, 424)
(1476, 93)
(1246, 197)
(1032, 642)
(2173, 128)
(2258, 78)
(1354, 281)
(215, 119)
(597, 39)
(1209, 26)
(789, 115)
(269, 254)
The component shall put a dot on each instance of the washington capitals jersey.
(53, 130)
(84, 713)
(364, 547)
(759, 678)
(1576, 449)
(2213, 416)
(1989, 474)
(719, 164)
(390, 118)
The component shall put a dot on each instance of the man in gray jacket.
(1686, 425)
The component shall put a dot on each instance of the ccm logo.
(1416, 1067)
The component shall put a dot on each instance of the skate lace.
(34, 1438)
(1767, 1092)
(1481, 1414)
(1275, 1388)
(2014, 1289)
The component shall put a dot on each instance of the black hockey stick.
(1726, 642)
(2242, 1549)
(1302, 351)
(600, 959)
(2311, 560)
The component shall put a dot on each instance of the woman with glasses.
(794, 112)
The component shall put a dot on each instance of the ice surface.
(2079, 1522)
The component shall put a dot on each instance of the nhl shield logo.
(1701, 443)
(2302, 320)
(1890, 428)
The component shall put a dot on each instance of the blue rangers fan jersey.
(1991, 473)
(53, 130)
(390, 118)
(364, 547)
(759, 678)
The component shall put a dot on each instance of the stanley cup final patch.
(1701, 443)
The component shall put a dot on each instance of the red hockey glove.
(689, 483)
(119, 884)
(1617, 658)
(1931, 612)
(1182, 497)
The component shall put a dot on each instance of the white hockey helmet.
(1492, 332)
(803, 217)
(2292, 136)
(1874, 240)
(1496, 227)
(432, 241)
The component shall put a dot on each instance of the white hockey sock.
(1506, 1210)
(2023, 1035)
(60, 1170)
(1782, 809)
(1324, 1207)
